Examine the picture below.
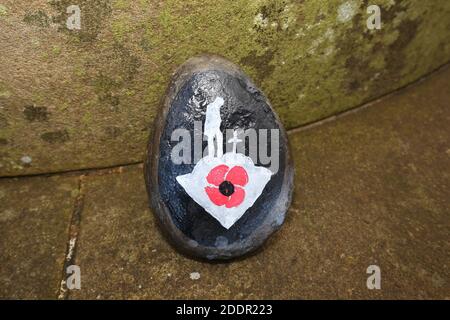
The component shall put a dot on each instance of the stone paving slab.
(34, 219)
(371, 189)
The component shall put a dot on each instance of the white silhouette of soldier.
(212, 127)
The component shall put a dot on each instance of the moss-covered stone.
(312, 58)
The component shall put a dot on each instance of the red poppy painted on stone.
(227, 185)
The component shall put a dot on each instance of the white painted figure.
(212, 127)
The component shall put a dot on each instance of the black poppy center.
(226, 188)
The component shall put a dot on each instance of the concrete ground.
(371, 188)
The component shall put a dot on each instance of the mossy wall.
(72, 99)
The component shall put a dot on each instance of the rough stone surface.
(34, 220)
(78, 99)
(186, 222)
(371, 189)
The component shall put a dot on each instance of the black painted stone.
(189, 227)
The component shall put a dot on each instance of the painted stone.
(218, 170)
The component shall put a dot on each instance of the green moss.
(38, 18)
(113, 80)
(120, 28)
(79, 71)
(3, 10)
(56, 49)
(4, 93)
(120, 5)
(165, 19)
(148, 38)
